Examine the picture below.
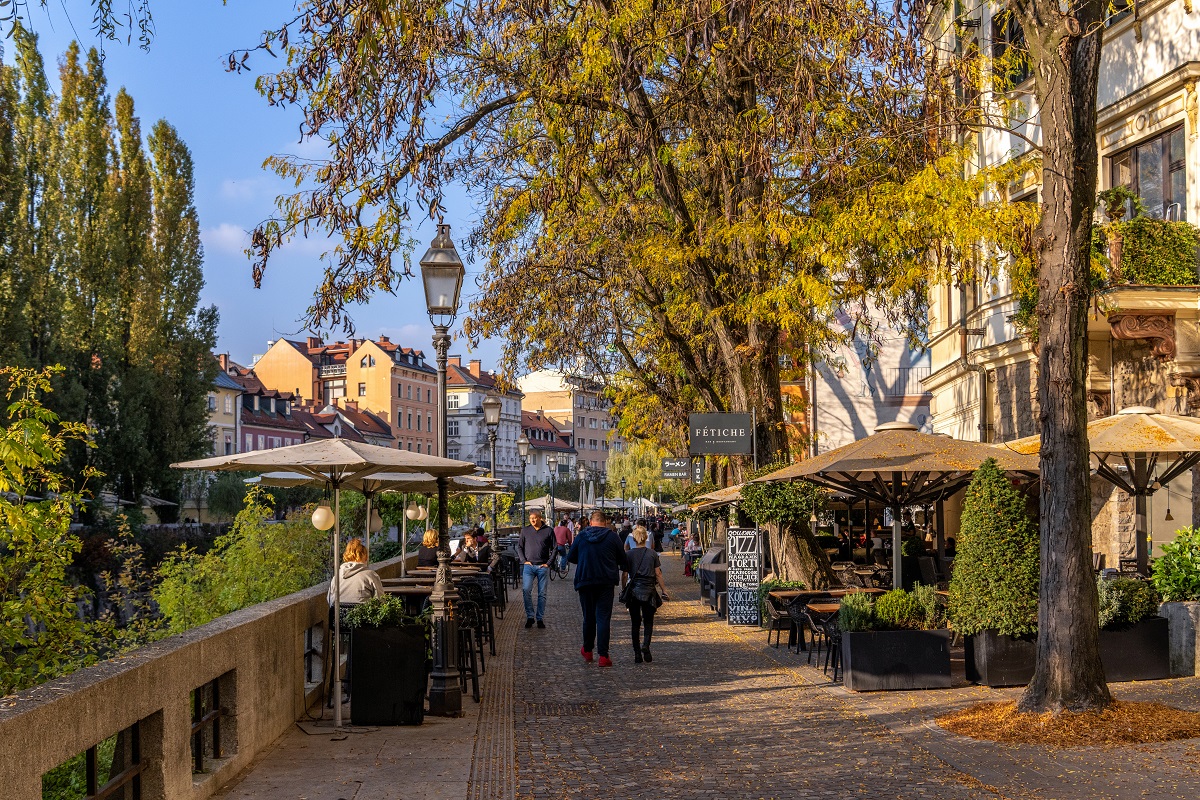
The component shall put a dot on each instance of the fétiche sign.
(743, 555)
(676, 468)
(728, 434)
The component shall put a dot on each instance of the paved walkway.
(718, 714)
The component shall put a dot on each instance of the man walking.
(562, 538)
(535, 548)
(599, 555)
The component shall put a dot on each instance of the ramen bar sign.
(743, 555)
(730, 434)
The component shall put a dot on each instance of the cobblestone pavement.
(711, 717)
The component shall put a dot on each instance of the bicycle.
(559, 568)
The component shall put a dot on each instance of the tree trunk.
(798, 557)
(1065, 54)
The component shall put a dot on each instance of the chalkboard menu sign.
(742, 554)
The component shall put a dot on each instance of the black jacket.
(600, 556)
(535, 545)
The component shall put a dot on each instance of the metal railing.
(329, 370)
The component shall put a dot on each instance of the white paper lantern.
(322, 518)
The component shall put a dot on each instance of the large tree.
(653, 178)
(1063, 41)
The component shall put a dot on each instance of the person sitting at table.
(951, 547)
(483, 550)
(356, 581)
(427, 552)
(465, 554)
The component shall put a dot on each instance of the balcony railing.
(331, 370)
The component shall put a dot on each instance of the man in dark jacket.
(535, 547)
(599, 555)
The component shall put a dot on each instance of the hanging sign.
(698, 469)
(743, 555)
(676, 468)
(728, 434)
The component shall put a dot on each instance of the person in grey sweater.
(535, 548)
(356, 581)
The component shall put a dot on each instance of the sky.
(230, 130)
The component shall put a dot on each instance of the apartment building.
(580, 407)
(378, 376)
(466, 432)
(546, 440)
(224, 412)
(1144, 339)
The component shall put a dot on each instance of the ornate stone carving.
(1099, 403)
(1191, 106)
(1160, 328)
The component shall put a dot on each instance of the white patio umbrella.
(338, 463)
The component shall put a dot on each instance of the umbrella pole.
(404, 537)
(897, 567)
(367, 536)
(337, 607)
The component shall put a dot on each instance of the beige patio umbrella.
(1138, 450)
(338, 463)
(899, 466)
(720, 497)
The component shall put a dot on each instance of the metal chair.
(469, 655)
(777, 622)
(470, 590)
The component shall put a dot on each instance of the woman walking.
(642, 591)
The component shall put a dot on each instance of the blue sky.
(230, 130)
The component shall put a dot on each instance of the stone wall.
(1015, 406)
(1141, 378)
(257, 654)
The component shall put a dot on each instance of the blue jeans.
(561, 551)
(528, 573)
(597, 605)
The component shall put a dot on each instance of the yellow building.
(392, 382)
(224, 407)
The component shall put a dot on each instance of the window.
(228, 444)
(249, 442)
(367, 361)
(410, 421)
(212, 402)
(410, 447)
(262, 442)
(592, 422)
(452, 427)
(452, 453)
(1010, 57)
(429, 422)
(228, 404)
(399, 390)
(428, 395)
(452, 401)
(1155, 169)
(362, 390)
(410, 391)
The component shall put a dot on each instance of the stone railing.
(253, 673)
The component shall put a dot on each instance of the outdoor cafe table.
(414, 596)
(824, 608)
(792, 594)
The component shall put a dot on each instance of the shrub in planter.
(1134, 640)
(893, 642)
(1125, 601)
(994, 588)
(1176, 573)
(388, 675)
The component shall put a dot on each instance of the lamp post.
(442, 274)
(552, 465)
(623, 511)
(581, 472)
(491, 417)
(523, 452)
(603, 481)
(640, 514)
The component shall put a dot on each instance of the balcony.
(331, 370)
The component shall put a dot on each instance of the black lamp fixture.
(523, 453)
(492, 407)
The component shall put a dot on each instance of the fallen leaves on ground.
(1124, 723)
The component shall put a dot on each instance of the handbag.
(626, 594)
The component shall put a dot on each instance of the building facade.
(377, 376)
(224, 414)
(1143, 340)
(545, 440)
(579, 406)
(467, 434)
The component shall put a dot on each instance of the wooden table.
(824, 608)
(414, 596)
(792, 594)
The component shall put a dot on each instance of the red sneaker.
(605, 661)
(587, 655)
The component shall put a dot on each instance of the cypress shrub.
(995, 580)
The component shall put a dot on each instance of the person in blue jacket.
(598, 554)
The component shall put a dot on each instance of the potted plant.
(994, 587)
(1133, 638)
(1176, 576)
(896, 642)
(388, 673)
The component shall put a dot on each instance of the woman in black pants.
(642, 591)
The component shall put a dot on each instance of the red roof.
(318, 425)
(542, 433)
(365, 422)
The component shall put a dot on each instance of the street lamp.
(552, 465)
(603, 481)
(442, 274)
(640, 499)
(624, 513)
(523, 452)
(581, 472)
(492, 406)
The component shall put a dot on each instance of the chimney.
(353, 345)
(223, 360)
(384, 339)
(476, 367)
(455, 361)
(314, 342)
(350, 404)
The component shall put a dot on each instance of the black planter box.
(875, 661)
(1140, 652)
(388, 678)
(995, 660)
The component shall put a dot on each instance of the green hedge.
(995, 580)
(1156, 252)
(1176, 573)
(1125, 601)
